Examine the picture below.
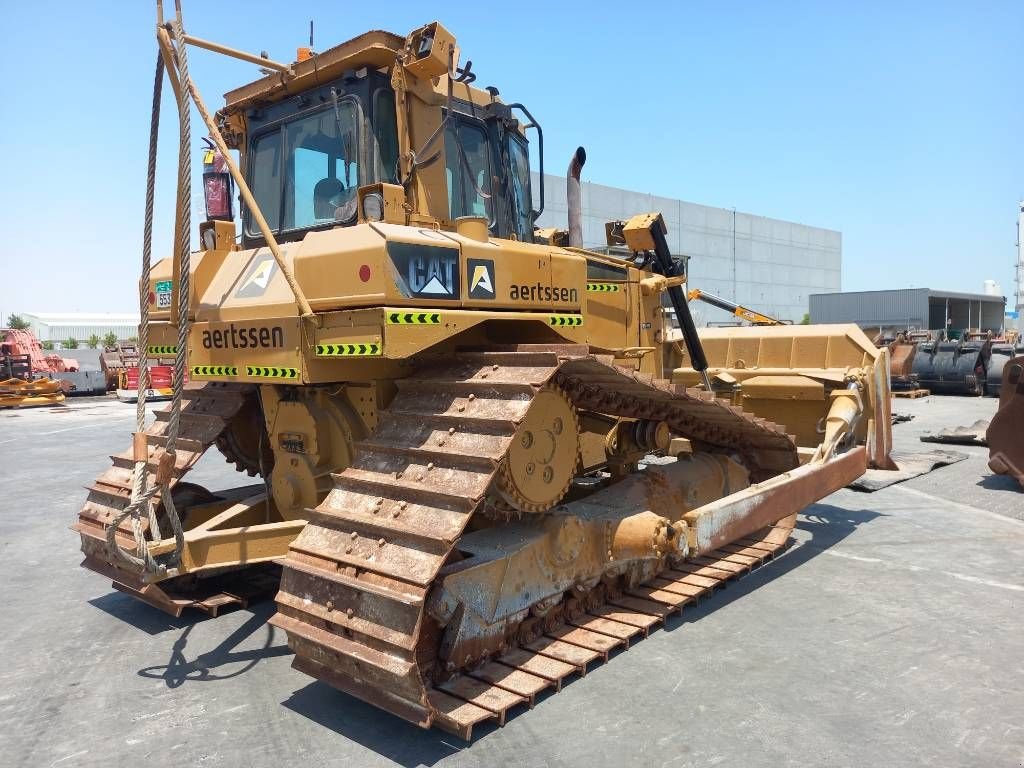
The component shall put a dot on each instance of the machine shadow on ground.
(398, 740)
(999, 483)
(142, 616)
(204, 667)
(827, 524)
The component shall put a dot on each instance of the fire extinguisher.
(218, 188)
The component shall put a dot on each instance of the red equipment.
(20, 342)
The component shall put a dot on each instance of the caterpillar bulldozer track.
(488, 456)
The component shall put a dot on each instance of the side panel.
(259, 351)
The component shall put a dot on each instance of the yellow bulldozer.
(486, 459)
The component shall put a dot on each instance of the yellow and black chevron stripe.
(160, 351)
(271, 373)
(561, 320)
(414, 318)
(213, 370)
(347, 350)
(603, 287)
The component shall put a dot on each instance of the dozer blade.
(1006, 431)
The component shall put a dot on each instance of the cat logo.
(426, 271)
(257, 278)
(481, 278)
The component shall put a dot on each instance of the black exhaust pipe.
(574, 195)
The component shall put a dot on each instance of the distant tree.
(133, 339)
(47, 345)
(71, 343)
(807, 319)
(110, 340)
(17, 322)
(93, 342)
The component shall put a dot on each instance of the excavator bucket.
(1005, 441)
(952, 366)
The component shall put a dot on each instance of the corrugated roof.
(933, 293)
(82, 318)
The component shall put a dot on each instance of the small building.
(58, 327)
(910, 308)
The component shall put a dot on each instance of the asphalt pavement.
(889, 634)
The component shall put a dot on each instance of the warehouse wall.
(907, 307)
(61, 329)
(767, 264)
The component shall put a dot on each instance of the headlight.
(373, 207)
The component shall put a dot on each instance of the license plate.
(163, 300)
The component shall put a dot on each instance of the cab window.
(305, 172)
(468, 171)
(385, 135)
(522, 205)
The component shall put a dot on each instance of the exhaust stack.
(573, 193)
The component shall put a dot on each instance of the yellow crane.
(744, 313)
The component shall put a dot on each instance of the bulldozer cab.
(307, 152)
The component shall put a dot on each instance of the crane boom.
(744, 313)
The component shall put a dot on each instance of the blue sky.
(899, 124)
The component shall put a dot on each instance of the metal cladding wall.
(920, 308)
(767, 264)
(907, 307)
(60, 327)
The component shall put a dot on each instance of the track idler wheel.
(542, 459)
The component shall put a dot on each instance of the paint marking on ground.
(921, 569)
(957, 504)
(56, 432)
(984, 582)
(834, 553)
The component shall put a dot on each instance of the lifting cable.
(142, 493)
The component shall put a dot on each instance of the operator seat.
(325, 195)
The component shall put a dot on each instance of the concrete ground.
(890, 634)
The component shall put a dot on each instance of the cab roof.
(374, 49)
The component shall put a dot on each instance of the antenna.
(311, 34)
(1019, 277)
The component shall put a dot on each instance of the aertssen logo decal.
(256, 279)
(481, 278)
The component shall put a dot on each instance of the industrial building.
(910, 308)
(59, 327)
(766, 264)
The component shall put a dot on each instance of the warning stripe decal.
(213, 370)
(265, 372)
(603, 287)
(414, 318)
(347, 350)
(562, 320)
(158, 350)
